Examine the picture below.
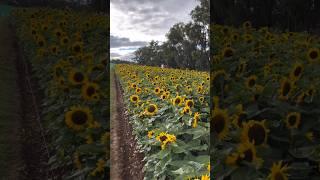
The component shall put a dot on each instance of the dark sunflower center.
(65, 40)
(41, 43)
(248, 155)
(79, 117)
(251, 82)
(134, 98)
(163, 138)
(177, 101)
(218, 123)
(228, 53)
(292, 120)
(190, 103)
(91, 90)
(78, 77)
(151, 109)
(313, 54)
(77, 48)
(279, 176)
(286, 88)
(58, 34)
(257, 134)
(297, 71)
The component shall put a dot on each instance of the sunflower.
(134, 98)
(227, 52)
(196, 118)
(254, 132)
(77, 77)
(219, 122)
(285, 90)
(251, 81)
(138, 90)
(64, 40)
(150, 134)
(246, 152)
(190, 103)
(205, 177)
(177, 101)
(77, 47)
(278, 171)
(296, 71)
(201, 99)
(313, 54)
(293, 120)
(247, 25)
(133, 85)
(157, 90)
(164, 96)
(77, 118)
(90, 91)
(165, 139)
(186, 110)
(151, 110)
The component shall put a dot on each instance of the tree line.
(186, 45)
(292, 15)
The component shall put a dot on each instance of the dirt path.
(10, 146)
(126, 161)
(21, 150)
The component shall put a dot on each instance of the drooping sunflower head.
(134, 98)
(151, 109)
(278, 171)
(77, 118)
(190, 103)
(313, 54)
(77, 77)
(219, 122)
(293, 120)
(251, 81)
(90, 91)
(254, 132)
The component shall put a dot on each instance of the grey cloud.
(158, 15)
(116, 41)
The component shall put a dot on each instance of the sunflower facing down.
(77, 118)
(278, 171)
(90, 91)
(77, 77)
(254, 132)
(219, 122)
(151, 110)
(293, 120)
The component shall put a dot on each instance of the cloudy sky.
(133, 23)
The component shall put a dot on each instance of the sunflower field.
(169, 110)
(265, 98)
(66, 50)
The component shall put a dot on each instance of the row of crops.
(66, 51)
(169, 110)
(265, 116)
